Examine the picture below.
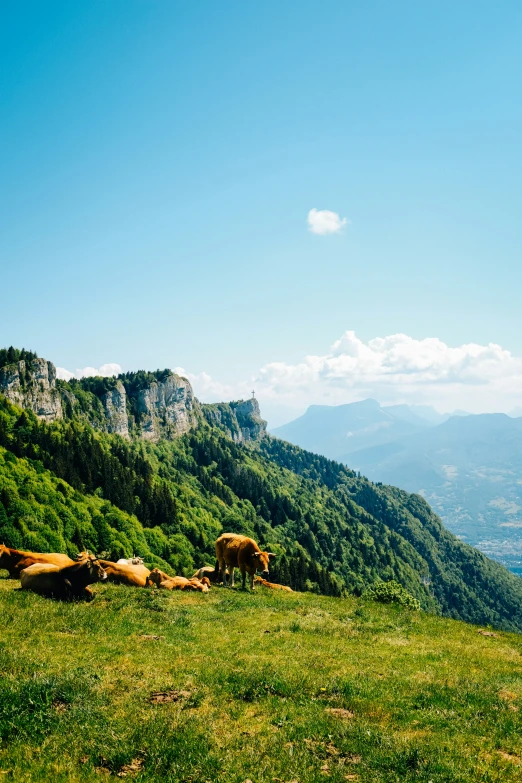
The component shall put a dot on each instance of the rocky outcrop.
(32, 384)
(248, 415)
(166, 408)
(115, 406)
(241, 421)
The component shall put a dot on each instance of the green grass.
(418, 697)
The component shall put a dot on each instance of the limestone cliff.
(115, 406)
(248, 415)
(150, 405)
(165, 408)
(32, 384)
(240, 420)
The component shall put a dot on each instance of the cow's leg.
(223, 572)
(243, 579)
(252, 576)
(88, 594)
(231, 570)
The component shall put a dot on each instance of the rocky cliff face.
(160, 406)
(161, 409)
(115, 406)
(33, 385)
(241, 420)
(165, 409)
(248, 415)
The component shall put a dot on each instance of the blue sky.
(159, 159)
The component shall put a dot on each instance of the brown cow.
(133, 575)
(166, 582)
(15, 560)
(213, 574)
(259, 581)
(130, 561)
(68, 582)
(241, 552)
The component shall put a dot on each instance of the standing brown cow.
(241, 552)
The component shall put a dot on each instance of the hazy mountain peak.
(336, 430)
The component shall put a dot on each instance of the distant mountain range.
(468, 467)
(343, 429)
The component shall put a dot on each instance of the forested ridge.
(66, 486)
(12, 355)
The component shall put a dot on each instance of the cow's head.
(261, 562)
(95, 569)
(85, 572)
(98, 569)
(154, 578)
(137, 560)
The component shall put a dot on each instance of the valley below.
(467, 467)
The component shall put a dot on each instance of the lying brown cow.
(237, 551)
(166, 582)
(133, 575)
(130, 561)
(15, 560)
(68, 582)
(208, 572)
(259, 581)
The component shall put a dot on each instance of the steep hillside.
(41, 512)
(332, 529)
(468, 467)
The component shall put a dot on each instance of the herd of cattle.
(57, 575)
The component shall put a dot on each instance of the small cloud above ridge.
(324, 221)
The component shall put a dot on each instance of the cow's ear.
(271, 554)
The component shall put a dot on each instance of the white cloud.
(399, 368)
(105, 370)
(63, 374)
(206, 388)
(323, 221)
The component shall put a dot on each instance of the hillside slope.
(231, 686)
(182, 473)
(332, 529)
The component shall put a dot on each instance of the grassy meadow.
(268, 687)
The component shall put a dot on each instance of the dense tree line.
(90, 463)
(13, 355)
(302, 573)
